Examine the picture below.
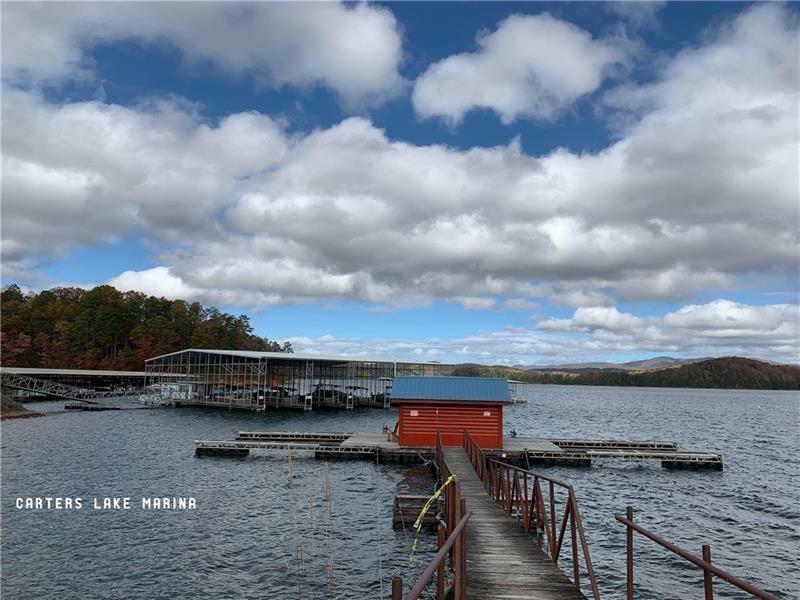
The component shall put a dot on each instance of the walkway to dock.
(503, 563)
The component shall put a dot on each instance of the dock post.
(458, 574)
(397, 588)
(453, 517)
(457, 551)
(576, 568)
(629, 553)
(441, 536)
(708, 583)
(552, 516)
(463, 552)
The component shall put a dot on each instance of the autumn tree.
(108, 329)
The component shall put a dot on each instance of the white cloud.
(700, 188)
(674, 282)
(158, 281)
(531, 66)
(719, 328)
(471, 303)
(604, 317)
(575, 295)
(520, 304)
(90, 172)
(720, 316)
(353, 50)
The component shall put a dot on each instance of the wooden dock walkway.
(503, 563)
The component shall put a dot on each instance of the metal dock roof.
(292, 356)
(455, 389)
(33, 371)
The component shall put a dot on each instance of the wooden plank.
(502, 562)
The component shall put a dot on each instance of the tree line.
(731, 372)
(104, 328)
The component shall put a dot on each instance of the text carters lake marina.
(106, 503)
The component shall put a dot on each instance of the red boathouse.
(450, 405)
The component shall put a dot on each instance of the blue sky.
(520, 183)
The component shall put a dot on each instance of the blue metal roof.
(454, 389)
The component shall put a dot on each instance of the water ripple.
(253, 520)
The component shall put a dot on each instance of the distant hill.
(731, 372)
(658, 362)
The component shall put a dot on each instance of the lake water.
(262, 528)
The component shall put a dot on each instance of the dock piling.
(397, 588)
(708, 582)
(441, 537)
(629, 554)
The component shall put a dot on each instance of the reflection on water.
(262, 530)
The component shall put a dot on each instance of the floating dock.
(87, 406)
(518, 450)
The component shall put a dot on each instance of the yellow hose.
(425, 507)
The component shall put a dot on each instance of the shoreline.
(28, 415)
(11, 409)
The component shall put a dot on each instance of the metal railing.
(519, 492)
(450, 541)
(61, 390)
(709, 570)
(453, 544)
(452, 493)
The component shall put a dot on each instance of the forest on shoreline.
(731, 372)
(103, 328)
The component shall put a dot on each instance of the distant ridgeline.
(104, 328)
(729, 372)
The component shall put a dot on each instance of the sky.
(504, 183)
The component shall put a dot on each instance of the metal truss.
(54, 388)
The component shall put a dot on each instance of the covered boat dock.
(258, 381)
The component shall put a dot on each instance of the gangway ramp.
(59, 390)
(503, 563)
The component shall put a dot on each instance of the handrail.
(437, 561)
(456, 517)
(704, 563)
(452, 493)
(471, 445)
(439, 456)
(476, 455)
(519, 492)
